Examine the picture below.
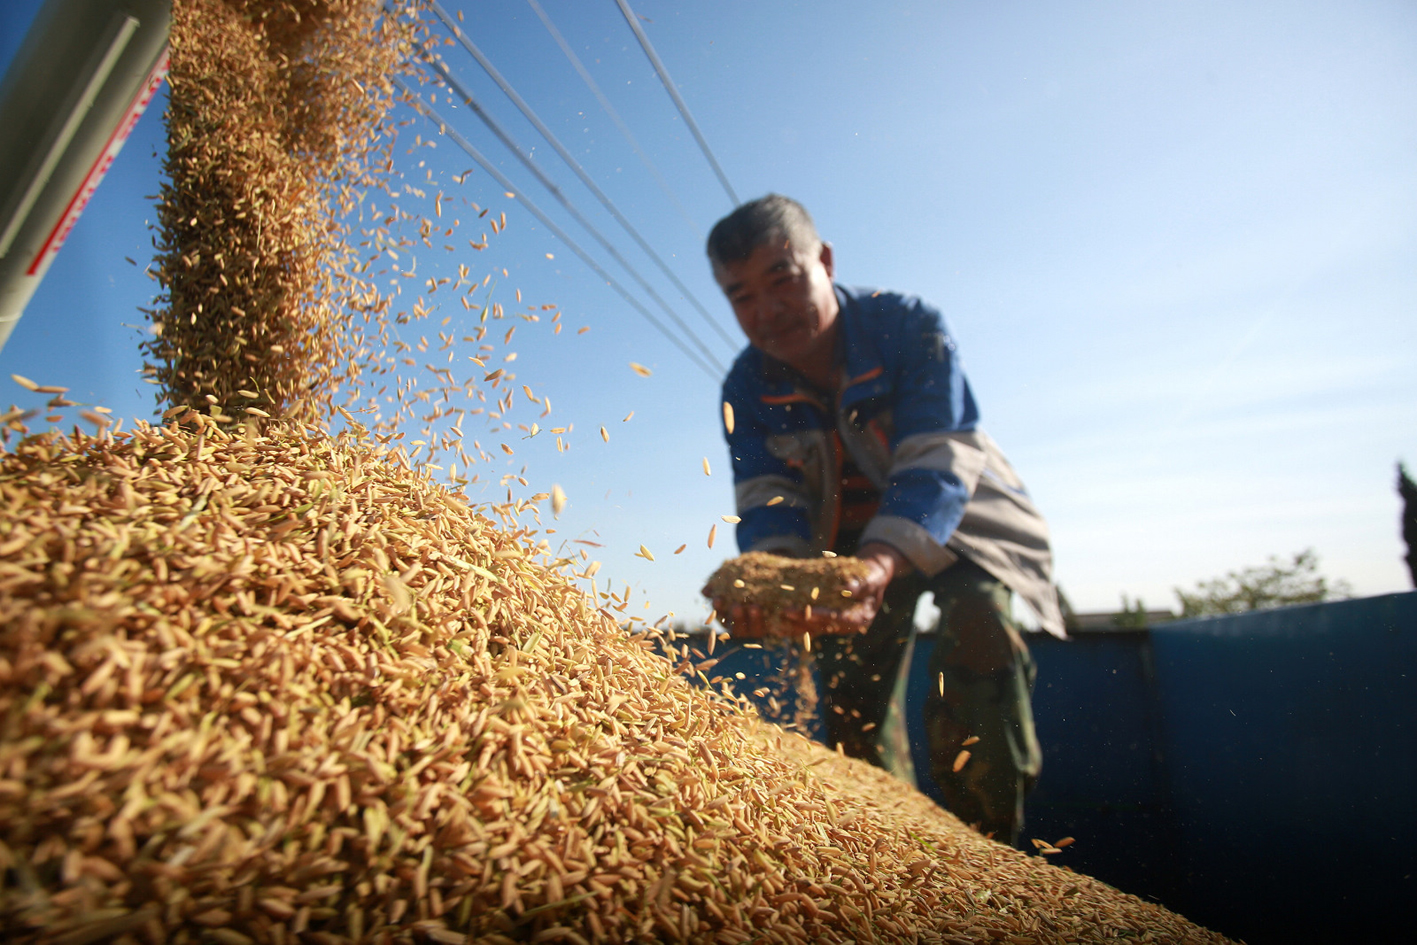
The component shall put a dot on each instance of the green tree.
(1276, 584)
(1129, 618)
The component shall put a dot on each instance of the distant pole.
(1407, 489)
(83, 76)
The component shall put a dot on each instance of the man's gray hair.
(734, 238)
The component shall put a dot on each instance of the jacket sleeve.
(759, 476)
(936, 459)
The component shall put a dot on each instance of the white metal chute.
(86, 71)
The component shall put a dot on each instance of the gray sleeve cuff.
(911, 540)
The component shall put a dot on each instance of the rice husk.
(277, 687)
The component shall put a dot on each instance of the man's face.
(784, 301)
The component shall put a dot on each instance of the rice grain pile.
(278, 688)
(787, 588)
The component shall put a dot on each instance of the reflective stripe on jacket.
(907, 417)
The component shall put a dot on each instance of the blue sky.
(1176, 242)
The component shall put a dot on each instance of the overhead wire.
(444, 128)
(575, 166)
(679, 102)
(609, 110)
(458, 88)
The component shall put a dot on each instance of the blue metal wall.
(1257, 773)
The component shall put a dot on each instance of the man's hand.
(886, 564)
(742, 620)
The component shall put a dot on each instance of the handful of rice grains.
(788, 588)
(277, 688)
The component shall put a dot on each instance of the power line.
(674, 94)
(457, 86)
(614, 115)
(443, 127)
(575, 166)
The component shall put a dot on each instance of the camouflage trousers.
(980, 699)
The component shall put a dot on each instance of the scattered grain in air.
(706, 467)
(941, 681)
(713, 530)
(828, 554)
(731, 519)
(640, 369)
(775, 500)
(815, 592)
(605, 434)
(728, 416)
(583, 330)
(24, 382)
(739, 582)
(787, 587)
(628, 416)
(680, 548)
(971, 740)
(1065, 842)
(645, 553)
(961, 760)
(550, 255)
(558, 500)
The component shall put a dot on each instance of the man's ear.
(826, 258)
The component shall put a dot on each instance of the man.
(852, 407)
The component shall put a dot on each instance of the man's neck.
(820, 367)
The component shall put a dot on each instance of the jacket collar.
(856, 348)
